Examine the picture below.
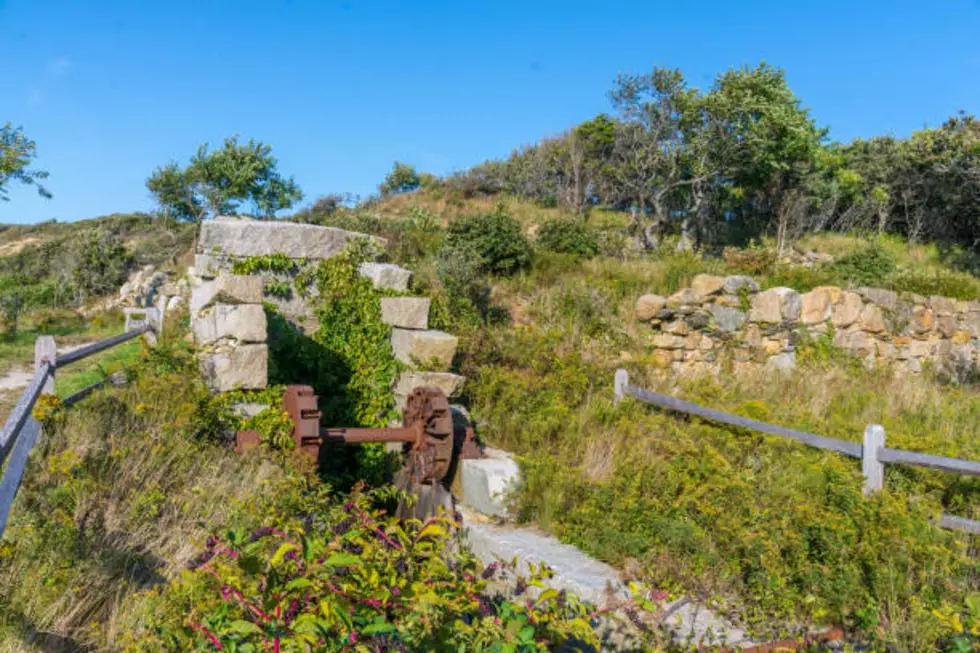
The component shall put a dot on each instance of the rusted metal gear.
(429, 459)
(435, 435)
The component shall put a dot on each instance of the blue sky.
(111, 89)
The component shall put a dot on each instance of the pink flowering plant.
(355, 579)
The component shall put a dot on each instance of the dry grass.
(117, 498)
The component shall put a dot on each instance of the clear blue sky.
(111, 89)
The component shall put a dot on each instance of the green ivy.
(279, 263)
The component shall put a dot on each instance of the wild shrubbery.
(568, 237)
(348, 577)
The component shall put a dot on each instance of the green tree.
(16, 154)
(402, 179)
(218, 181)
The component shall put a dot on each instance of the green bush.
(873, 265)
(495, 238)
(568, 237)
(354, 579)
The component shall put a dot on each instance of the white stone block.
(386, 276)
(227, 289)
(245, 237)
(243, 323)
(485, 482)
(411, 346)
(405, 312)
(245, 367)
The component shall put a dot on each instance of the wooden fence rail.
(21, 430)
(872, 452)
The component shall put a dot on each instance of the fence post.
(46, 350)
(620, 381)
(872, 468)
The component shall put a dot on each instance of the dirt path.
(18, 376)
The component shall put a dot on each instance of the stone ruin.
(229, 324)
(729, 321)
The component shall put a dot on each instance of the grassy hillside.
(775, 531)
(57, 265)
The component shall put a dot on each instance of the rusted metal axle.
(433, 440)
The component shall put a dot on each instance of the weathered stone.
(833, 293)
(961, 337)
(765, 307)
(405, 312)
(662, 357)
(728, 319)
(698, 320)
(227, 289)
(237, 322)
(855, 340)
(450, 384)
(647, 307)
(668, 341)
(732, 301)
(941, 306)
(887, 299)
(914, 365)
(705, 285)
(946, 326)
(244, 367)
(916, 349)
(737, 282)
(679, 328)
(245, 237)
(972, 324)
(923, 320)
(705, 343)
(692, 341)
(386, 276)
(776, 305)
(666, 314)
(816, 306)
(752, 336)
(423, 347)
(683, 297)
(486, 482)
(784, 362)
(886, 350)
(772, 346)
(847, 311)
(872, 319)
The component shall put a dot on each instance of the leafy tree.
(402, 179)
(100, 262)
(16, 154)
(218, 181)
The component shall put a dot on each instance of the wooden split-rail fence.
(21, 430)
(872, 451)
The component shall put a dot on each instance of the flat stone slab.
(245, 237)
(449, 383)
(386, 276)
(485, 483)
(426, 347)
(244, 367)
(405, 312)
(238, 322)
(227, 289)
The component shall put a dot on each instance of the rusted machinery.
(434, 436)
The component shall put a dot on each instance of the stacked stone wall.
(721, 321)
(229, 323)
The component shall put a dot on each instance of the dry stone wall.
(720, 321)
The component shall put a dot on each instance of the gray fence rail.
(21, 430)
(872, 452)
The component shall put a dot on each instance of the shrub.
(354, 579)
(101, 262)
(495, 238)
(873, 265)
(568, 237)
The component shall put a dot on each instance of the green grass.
(90, 370)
